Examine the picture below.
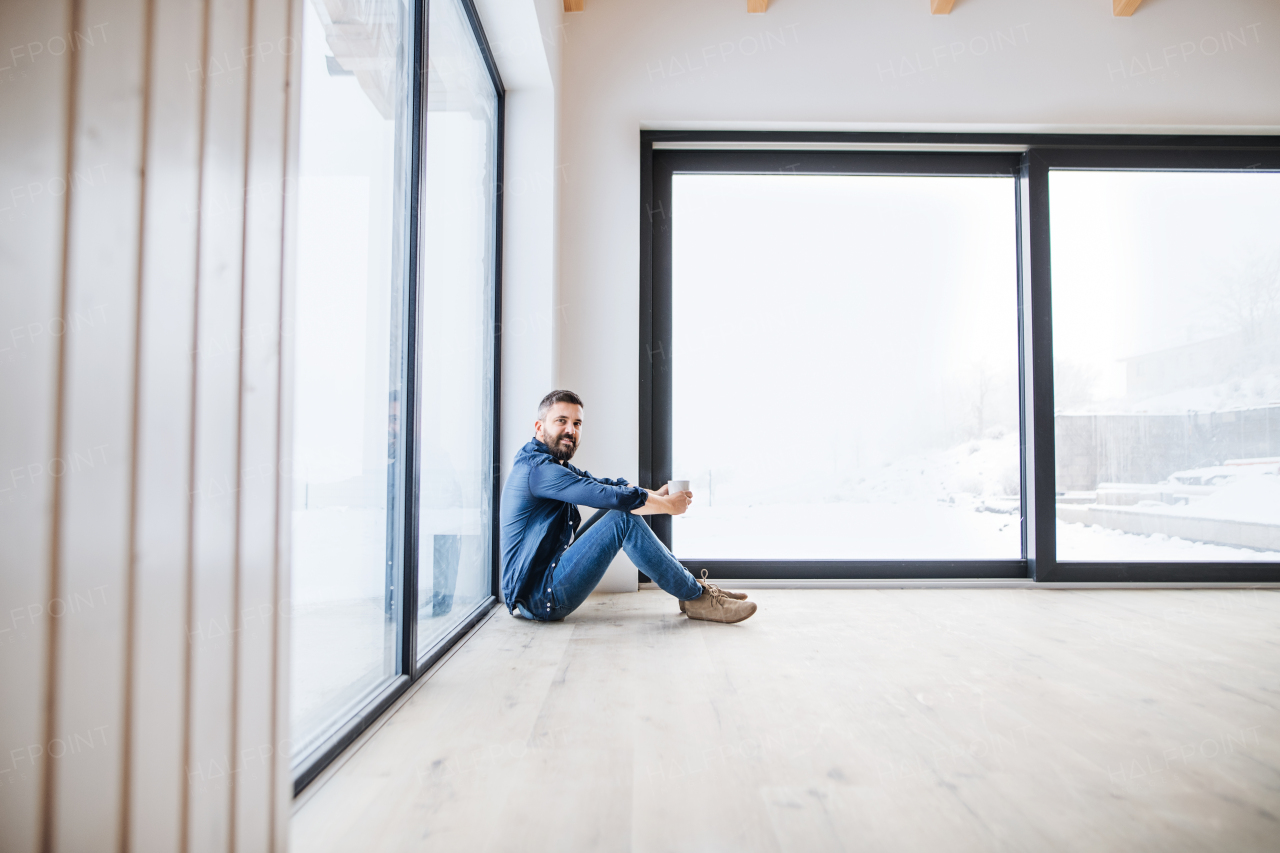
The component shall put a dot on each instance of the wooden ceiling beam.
(1124, 8)
(941, 7)
(755, 7)
(573, 5)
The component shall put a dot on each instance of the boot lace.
(717, 594)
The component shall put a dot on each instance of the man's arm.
(660, 503)
(620, 481)
(559, 483)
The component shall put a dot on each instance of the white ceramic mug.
(677, 486)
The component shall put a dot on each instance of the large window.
(354, 156)
(963, 356)
(871, 410)
(394, 386)
(456, 376)
(1166, 341)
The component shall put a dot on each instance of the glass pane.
(845, 367)
(350, 271)
(1166, 337)
(456, 316)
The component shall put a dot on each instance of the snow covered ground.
(1252, 496)
(909, 530)
(339, 649)
(1244, 491)
(1078, 542)
(913, 531)
(342, 642)
(959, 504)
(340, 654)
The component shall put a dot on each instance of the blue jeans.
(579, 568)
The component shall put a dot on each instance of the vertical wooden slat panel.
(33, 172)
(162, 530)
(129, 239)
(284, 496)
(97, 412)
(259, 428)
(132, 332)
(217, 440)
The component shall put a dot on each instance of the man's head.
(559, 423)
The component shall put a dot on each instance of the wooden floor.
(897, 720)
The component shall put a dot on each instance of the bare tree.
(982, 395)
(1074, 383)
(1248, 302)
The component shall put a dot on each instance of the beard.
(562, 447)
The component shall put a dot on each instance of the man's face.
(560, 430)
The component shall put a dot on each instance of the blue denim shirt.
(540, 515)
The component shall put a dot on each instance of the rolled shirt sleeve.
(557, 482)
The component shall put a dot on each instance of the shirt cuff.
(641, 498)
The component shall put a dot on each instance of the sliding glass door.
(355, 163)
(456, 315)
(397, 212)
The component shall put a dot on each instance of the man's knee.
(616, 523)
(617, 518)
(635, 525)
(625, 525)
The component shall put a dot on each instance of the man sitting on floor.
(548, 569)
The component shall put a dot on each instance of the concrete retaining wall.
(1239, 534)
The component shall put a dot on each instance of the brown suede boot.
(737, 596)
(714, 605)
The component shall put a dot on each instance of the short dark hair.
(557, 397)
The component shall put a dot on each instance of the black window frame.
(410, 666)
(1028, 157)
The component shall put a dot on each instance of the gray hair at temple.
(557, 397)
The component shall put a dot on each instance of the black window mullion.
(658, 351)
(495, 407)
(411, 414)
(1035, 362)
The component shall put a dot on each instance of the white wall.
(835, 64)
(528, 39)
(525, 38)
